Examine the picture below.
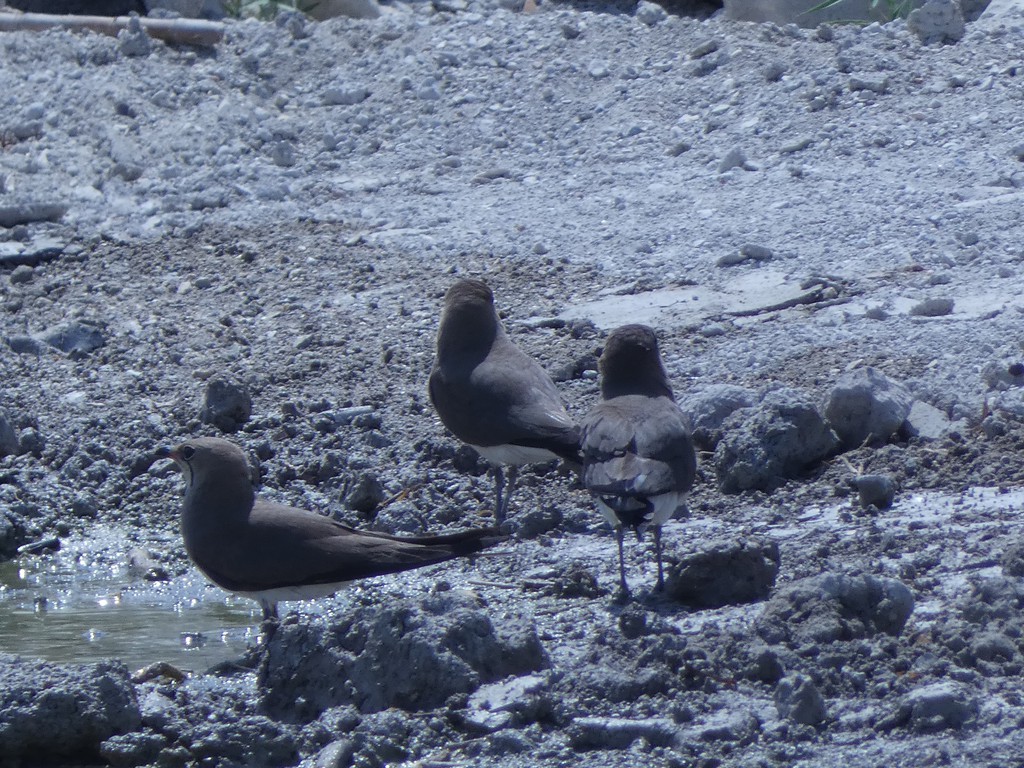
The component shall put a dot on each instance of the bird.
(271, 552)
(638, 457)
(493, 396)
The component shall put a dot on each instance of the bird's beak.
(143, 463)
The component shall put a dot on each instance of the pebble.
(22, 274)
(734, 158)
(8, 437)
(797, 698)
(619, 733)
(876, 490)
(227, 404)
(649, 13)
(936, 307)
(345, 95)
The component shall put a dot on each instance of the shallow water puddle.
(55, 609)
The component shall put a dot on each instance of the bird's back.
(637, 446)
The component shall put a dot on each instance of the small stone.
(8, 437)
(282, 153)
(342, 95)
(704, 48)
(876, 490)
(797, 698)
(872, 84)
(76, 339)
(933, 308)
(734, 158)
(649, 13)
(24, 345)
(619, 733)
(227, 405)
(366, 494)
(134, 41)
(22, 274)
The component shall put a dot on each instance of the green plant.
(266, 9)
(889, 9)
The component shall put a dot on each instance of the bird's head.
(205, 458)
(631, 364)
(469, 322)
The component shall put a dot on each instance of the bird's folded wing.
(283, 547)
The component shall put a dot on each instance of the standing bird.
(638, 457)
(271, 552)
(493, 396)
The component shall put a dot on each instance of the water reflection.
(58, 609)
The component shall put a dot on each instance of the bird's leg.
(268, 627)
(657, 550)
(513, 474)
(620, 534)
(499, 484)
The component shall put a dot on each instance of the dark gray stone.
(876, 490)
(775, 440)
(619, 733)
(797, 698)
(726, 573)
(54, 711)
(935, 707)
(933, 308)
(926, 422)
(227, 405)
(8, 437)
(830, 607)
(709, 408)
(410, 654)
(366, 494)
(866, 404)
(77, 339)
(24, 345)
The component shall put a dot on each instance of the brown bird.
(492, 395)
(271, 552)
(638, 456)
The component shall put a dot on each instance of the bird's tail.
(459, 543)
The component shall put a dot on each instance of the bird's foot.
(622, 595)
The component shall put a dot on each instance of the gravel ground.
(818, 224)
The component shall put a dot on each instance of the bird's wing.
(508, 399)
(637, 446)
(282, 546)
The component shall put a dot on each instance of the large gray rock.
(709, 408)
(937, 21)
(726, 573)
(830, 607)
(410, 654)
(866, 404)
(775, 440)
(935, 707)
(1000, 12)
(54, 711)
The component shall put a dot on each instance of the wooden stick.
(182, 31)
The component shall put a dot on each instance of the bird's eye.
(188, 452)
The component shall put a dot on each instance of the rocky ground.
(825, 228)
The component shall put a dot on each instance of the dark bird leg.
(499, 485)
(513, 475)
(657, 549)
(620, 534)
(268, 627)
